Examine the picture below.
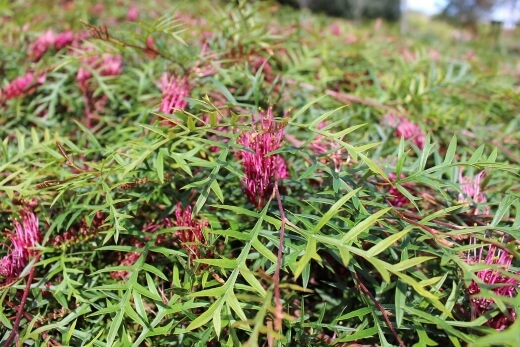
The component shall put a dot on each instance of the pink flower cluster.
(500, 284)
(471, 191)
(189, 234)
(405, 128)
(20, 85)
(397, 198)
(192, 236)
(257, 62)
(106, 65)
(26, 236)
(128, 259)
(78, 233)
(47, 40)
(262, 170)
(132, 14)
(321, 145)
(175, 90)
(335, 29)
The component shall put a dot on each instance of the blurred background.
(464, 12)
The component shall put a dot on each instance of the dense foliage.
(226, 174)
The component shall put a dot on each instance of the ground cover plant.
(247, 174)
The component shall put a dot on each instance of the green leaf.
(264, 251)
(145, 292)
(450, 152)
(252, 280)
(308, 254)
(373, 166)
(130, 312)
(384, 244)
(159, 166)
(334, 210)
(359, 335)
(203, 195)
(232, 301)
(223, 262)
(400, 301)
(216, 189)
(139, 306)
(476, 155)
(305, 108)
(118, 319)
(363, 226)
(408, 263)
(212, 312)
(154, 270)
(502, 209)
(357, 313)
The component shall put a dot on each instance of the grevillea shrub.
(242, 174)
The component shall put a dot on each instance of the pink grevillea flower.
(397, 198)
(18, 86)
(189, 233)
(97, 8)
(192, 236)
(498, 281)
(79, 232)
(132, 14)
(257, 62)
(41, 45)
(321, 145)
(128, 259)
(63, 39)
(26, 235)
(335, 29)
(405, 128)
(174, 93)
(105, 65)
(471, 191)
(47, 40)
(434, 54)
(112, 65)
(262, 170)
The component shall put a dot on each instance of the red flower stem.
(19, 315)
(36, 325)
(365, 290)
(278, 311)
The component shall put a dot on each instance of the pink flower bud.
(18, 86)
(38, 48)
(105, 65)
(335, 30)
(471, 191)
(405, 128)
(192, 235)
(133, 13)
(397, 198)
(63, 39)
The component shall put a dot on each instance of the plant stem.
(381, 308)
(278, 312)
(36, 325)
(19, 315)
